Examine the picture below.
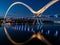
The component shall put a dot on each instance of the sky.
(21, 11)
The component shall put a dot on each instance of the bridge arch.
(18, 3)
(34, 12)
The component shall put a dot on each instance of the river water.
(22, 33)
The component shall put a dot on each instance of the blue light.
(56, 33)
(48, 32)
(19, 27)
(15, 27)
(22, 27)
(28, 29)
(25, 28)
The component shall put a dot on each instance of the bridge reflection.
(28, 26)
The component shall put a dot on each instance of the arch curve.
(19, 3)
(34, 12)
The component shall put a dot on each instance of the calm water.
(50, 31)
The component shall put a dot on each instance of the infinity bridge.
(36, 34)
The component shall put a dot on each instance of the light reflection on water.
(18, 34)
(45, 29)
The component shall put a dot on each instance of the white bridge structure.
(37, 13)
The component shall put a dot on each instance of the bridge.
(36, 14)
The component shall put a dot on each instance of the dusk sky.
(21, 11)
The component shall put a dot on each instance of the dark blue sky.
(21, 11)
